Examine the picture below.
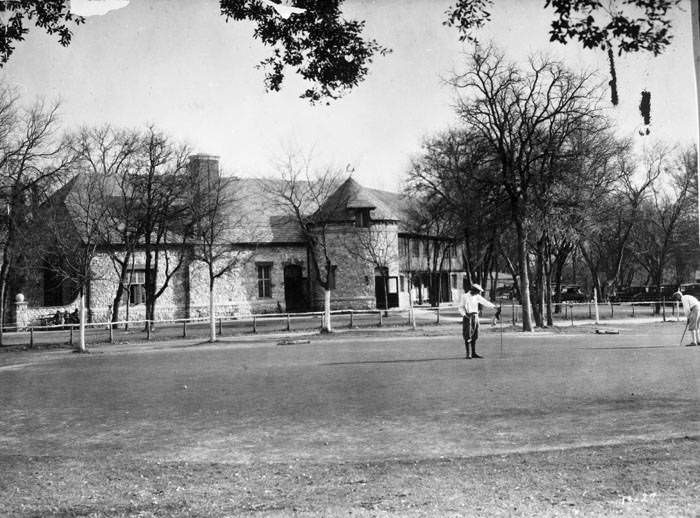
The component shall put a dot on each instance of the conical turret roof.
(351, 196)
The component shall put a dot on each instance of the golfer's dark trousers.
(470, 332)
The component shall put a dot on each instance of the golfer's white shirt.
(689, 302)
(470, 303)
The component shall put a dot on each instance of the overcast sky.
(178, 65)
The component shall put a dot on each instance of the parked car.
(629, 294)
(504, 293)
(572, 294)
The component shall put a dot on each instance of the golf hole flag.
(95, 7)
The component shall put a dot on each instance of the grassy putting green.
(222, 430)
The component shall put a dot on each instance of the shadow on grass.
(628, 347)
(416, 360)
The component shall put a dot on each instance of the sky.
(178, 65)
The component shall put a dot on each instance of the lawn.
(389, 423)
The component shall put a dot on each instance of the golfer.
(691, 309)
(469, 309)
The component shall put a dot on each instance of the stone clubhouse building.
(377, 261)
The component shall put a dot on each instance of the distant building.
(377, 260)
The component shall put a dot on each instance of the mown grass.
(657, 478)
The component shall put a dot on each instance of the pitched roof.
(350, 196)
(259, 217)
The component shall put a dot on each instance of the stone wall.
(171, 304)
(356, 252)
(236, 293)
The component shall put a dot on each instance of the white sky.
(177, 64)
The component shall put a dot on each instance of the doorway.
(295, 299)
(392, 298)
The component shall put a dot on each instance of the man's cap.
(478, 288)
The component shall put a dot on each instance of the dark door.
(392, 301)
(294, 288)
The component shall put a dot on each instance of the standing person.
(691, 309)
(469, 309)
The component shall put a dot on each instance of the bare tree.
(214, 222)
(581, 170)
(525, 117)
(662, 214)
(77, 218)
(33, 162)
(160, 184)
(113, 154)
(457, 198)
(301, 192)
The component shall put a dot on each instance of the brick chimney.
(205, 168)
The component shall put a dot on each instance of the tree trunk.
(120, 288)
(539, 284)
(524, 278)
(115, 304)
(385, 278)
(548, 297)
(327, 311)
(4, 276)
(2, 311)
(212, 316)
(81, 324)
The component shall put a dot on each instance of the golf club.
(686, 328)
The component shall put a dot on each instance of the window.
(402, 283)
(332, 276)
(403, 246)
(137, 287)
(264, 281)
(427, 248)
(136, 284)
(416, 248)
(393, 285)
(362, 218)
(454, 281)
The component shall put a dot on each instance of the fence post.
(632, 309)
(612, 311)
(380, 319)
(221, 326)
(595, 303)
(437, 321)
(663, 308)
(589, 309)
(111, 333)
(289, 323)
(70, 342)
(31, 337)
(351, 314)
(148, 329)
(255, 329)
(512, 310)
(184, 329)
(572, 314)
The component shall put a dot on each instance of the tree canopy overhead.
(313, 39)
(631, 25)
(316, 41)
(54, 16)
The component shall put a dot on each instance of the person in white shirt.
(469, 309)
(691, 309)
